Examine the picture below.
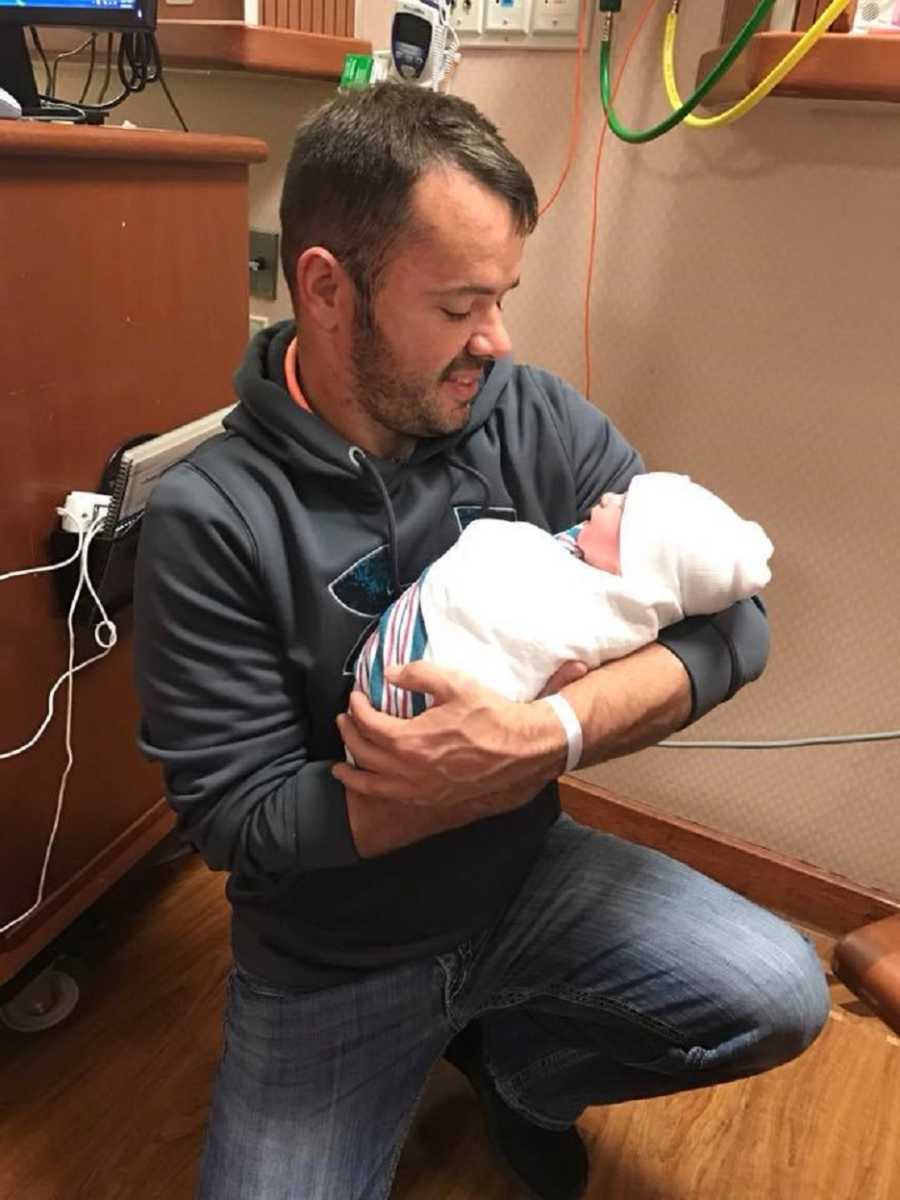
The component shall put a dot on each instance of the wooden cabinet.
(123, 294)
(841, 66)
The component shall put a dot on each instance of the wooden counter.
(123, 290)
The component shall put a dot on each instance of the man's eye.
(456, 316)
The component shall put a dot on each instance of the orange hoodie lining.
(290, 376)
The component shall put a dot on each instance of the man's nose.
(491, 339)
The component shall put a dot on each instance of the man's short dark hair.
(355, 161)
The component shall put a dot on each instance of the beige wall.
(741, 333)
(231, 102)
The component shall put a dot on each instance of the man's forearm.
(472, 747)
(626, 706)
(379, 826)
(631, 703)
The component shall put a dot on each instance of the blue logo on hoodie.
(366, 588)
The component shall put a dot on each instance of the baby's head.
(674, 532)
(598, 540)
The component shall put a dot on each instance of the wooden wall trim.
(23, 942)
(793, 888)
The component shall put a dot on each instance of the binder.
(136, 468)
(129, 476)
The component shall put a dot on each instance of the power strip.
(82, 509)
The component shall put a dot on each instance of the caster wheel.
(44, 1002)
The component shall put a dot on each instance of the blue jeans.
(618, 973)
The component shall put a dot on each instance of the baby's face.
(599, 537)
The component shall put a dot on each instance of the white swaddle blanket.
(509, 604)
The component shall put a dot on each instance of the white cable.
(53, 566)
(105, 621)
(837, 739)
(84, 543)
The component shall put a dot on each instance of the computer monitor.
(104, 16)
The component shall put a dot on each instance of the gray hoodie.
(265, 560)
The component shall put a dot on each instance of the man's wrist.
(546, 741)
(630, 703)
(571, 727)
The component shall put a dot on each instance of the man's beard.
(405, 402)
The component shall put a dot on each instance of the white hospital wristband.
(571, 726)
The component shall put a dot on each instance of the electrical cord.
(66, 54)
(90, 73)
(84, 540)
(636, 136)
(165, 87)
(837, 739)
(797, 52)
(107, 74)
(106, 642)
(36, 41)
(576, 106)
(139, 64)
(601, 142)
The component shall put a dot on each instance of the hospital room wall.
(739, 333)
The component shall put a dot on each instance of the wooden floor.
(111, 1105)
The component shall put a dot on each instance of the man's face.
(417, 358)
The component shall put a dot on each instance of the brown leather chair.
(868, 962)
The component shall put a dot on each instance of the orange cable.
(648, 8)
(577, 105)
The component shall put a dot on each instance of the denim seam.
(513, 1099)
(578, 996)
(513, 998)
(545, 1066)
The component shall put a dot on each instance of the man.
(430, 897)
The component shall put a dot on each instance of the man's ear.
(323, 291)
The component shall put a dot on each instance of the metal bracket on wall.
(263, 264)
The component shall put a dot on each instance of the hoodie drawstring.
(482, 480)
(361, 461)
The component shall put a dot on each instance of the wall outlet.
(263, 264)
(506, 16)
(557, 16)
(467, 15)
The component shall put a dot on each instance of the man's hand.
(471, 743)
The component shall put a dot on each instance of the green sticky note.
(357, 71)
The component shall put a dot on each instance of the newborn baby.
(509, 603)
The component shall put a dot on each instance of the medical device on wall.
(877, 16)
(424, 44)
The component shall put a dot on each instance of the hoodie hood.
(269, 419)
